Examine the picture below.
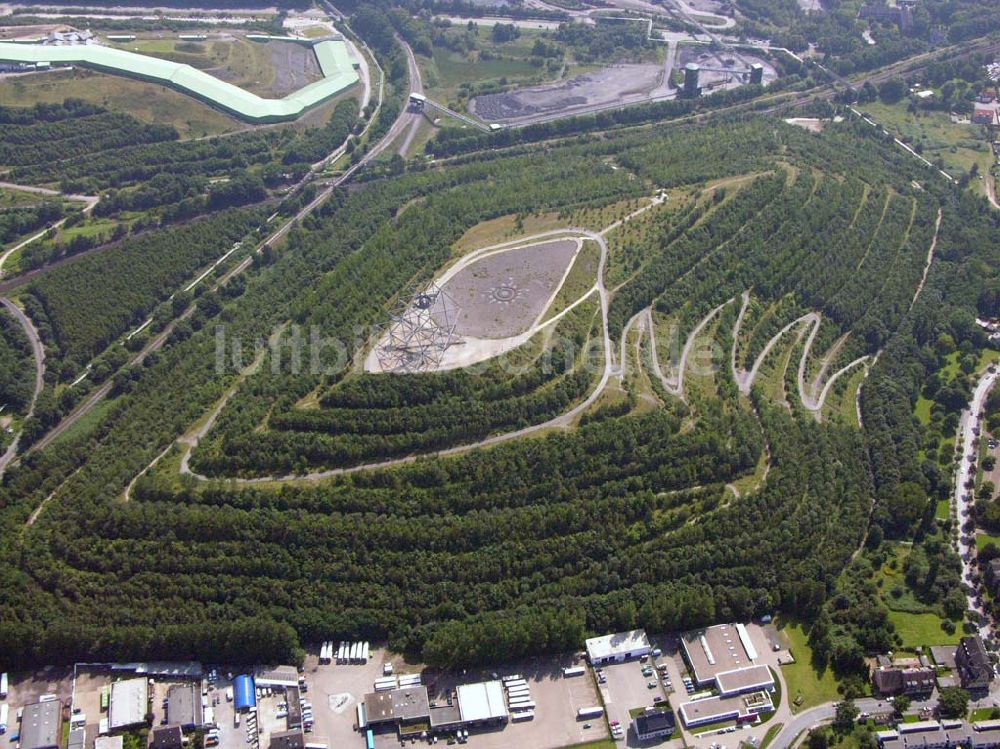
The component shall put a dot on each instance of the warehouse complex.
(406, 708)
(724, 658)
(333, 56)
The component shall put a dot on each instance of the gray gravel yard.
(603, 86)
(503, 294)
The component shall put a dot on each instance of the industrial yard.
(352, 694)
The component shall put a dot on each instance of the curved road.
(38, 352)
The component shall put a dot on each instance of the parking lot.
(628, 688)
(334, 691)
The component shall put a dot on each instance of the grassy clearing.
(447, 70)
(921, 629)
(807, 686)
(958, 146)
(20, 198)
(985, 538)
(581, 278)
(511, 227)
(145, 101)
(943, 511)
(86, 423)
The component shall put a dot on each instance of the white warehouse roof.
(481, 702)
(129, 703)
(622, 643)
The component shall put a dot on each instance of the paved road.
(416, 87)
(38, 353)
(160, 339)
(966, 546)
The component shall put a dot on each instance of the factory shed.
(277, 676)
(41, 725)
(618, 647)
(482, 703)
(184, 706)
(129, 703)
(287, 740)
(244, 694)
(166, 737)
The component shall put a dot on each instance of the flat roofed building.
(618, 647)
(166, 737)
(77, 738)
(294, 707)
(715, 650)
(277, 676)
(742, 680)
(184, 706)
(109, 742)
(482, 703)
(944, 655)
(973, 663)
(41, 725)
(129, 703)
(397, 706)
(654, 724)
(287, 740)
(715, 709)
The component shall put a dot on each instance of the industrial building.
(973, 663)
(109, 742)
(166, 737)
(287, 740)
(741, 708)
(184, 706)
(618, 647)
(129, 703)
(725, 650)
(244, 693)
(41, 725)
(280, 677)
(77, 738)
(653, 724)
(334, 58)
(743, 680)
(480, 704)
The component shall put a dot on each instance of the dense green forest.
(17, 367)
(525, 547)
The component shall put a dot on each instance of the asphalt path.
(969, 424)
(38, 353)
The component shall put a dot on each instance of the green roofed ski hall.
(334, 58)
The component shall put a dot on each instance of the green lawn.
(599, 744)
(958, 146)
(145, 101)
(923, 410)
(807, 687)
(771, 733)
(943, 511)
(985, 538)
(921, 629)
